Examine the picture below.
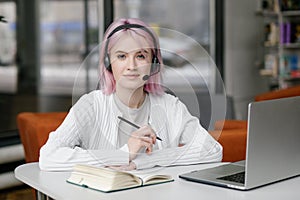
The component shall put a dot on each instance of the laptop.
(273, 148)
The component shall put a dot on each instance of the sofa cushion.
(34, 129)
(230, 124)
(233, 142)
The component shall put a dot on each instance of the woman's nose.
(132, 63)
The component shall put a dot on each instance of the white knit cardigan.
(89, 135)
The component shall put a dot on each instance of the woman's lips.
(131, 76)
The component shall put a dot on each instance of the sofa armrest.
(282, 93)
(230, 124)
(34, 129)
(233, 143)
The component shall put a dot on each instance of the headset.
(155, 66)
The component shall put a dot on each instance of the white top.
(139, 116)
(89, 135)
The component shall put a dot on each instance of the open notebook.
(110, 180)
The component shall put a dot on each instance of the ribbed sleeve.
(192, 153)
(79, 140)
(185, 129)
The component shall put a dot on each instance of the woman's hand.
(144, 137)
(129, 167)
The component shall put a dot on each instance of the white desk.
(54, 185)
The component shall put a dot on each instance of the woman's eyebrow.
(120, 51)
(125, 52)
(143, 51)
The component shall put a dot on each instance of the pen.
(134, 125)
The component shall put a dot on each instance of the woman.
(92, 133)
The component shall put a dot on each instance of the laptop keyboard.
(238, 177)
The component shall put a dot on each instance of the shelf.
(290, 78)
(287, 46)
(271, 46)
(281, 46)
(267, 72)
(291, 45)
(267, 13)
(291, 13)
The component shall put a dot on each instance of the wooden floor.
(18, 193)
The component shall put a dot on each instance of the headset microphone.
(146, 77)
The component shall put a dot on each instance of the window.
(64, 44)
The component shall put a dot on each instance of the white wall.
(243, 39)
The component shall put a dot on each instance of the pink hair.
(107, 81)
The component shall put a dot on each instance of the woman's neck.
(133, 99)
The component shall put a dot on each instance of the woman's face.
(130, 62)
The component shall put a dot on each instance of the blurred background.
(44, 43)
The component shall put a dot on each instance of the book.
(290, 33)
(271, 34)
(288, 38)
(270, 65)
(289, 66)
(282, 33)
(288, 5)
(110, 180)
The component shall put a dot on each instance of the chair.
(232, 135)
(34, 129)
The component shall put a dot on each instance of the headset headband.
(128, 26)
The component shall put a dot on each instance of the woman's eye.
(141, 56)
(121, 56)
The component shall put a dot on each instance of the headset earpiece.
(155, 64)
(107, 62)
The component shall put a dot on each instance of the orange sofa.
(232, 135)
(34, 129)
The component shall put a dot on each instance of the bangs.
(144, 43)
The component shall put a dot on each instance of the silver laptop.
(273, 148)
